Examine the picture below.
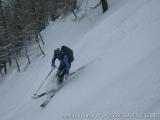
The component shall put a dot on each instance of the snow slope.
(122, 48)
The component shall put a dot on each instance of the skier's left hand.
(66, 76)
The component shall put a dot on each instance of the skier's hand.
(66, 76)
(53, 66)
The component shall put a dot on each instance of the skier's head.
(58, 53)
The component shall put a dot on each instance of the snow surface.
(122, 51)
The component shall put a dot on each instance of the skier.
(65, 56)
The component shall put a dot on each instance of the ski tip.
(34, 97)
(42, 106)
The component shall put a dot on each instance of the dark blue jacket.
(63, 61)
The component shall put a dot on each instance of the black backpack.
(69, 52)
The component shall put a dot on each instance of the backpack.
(69, 52)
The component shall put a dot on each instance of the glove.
(53, 66)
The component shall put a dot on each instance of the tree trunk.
(40, 47)
(1, 72)
(104, 5)
(27, 56)
(2, 16)
(41, 38)
(17, 64)
(75, 14)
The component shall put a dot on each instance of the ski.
(54, 91)
(77, 70)
(45, 103)
(48, 92)
(42, 94)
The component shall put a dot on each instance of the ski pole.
(43, 81)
